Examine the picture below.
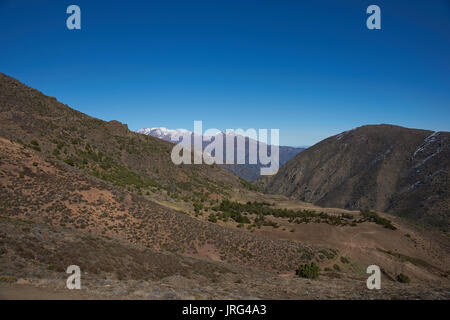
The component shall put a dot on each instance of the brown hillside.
(107, 150)
(382, 167)
(64, 168)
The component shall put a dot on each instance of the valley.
(79, 190)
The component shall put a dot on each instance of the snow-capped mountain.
(164, 133)
(246, 171)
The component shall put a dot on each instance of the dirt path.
(26, 292)
(352, 245)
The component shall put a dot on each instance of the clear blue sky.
(310, 68)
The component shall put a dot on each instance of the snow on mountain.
(246, 171)
(174, 135)
(164, 133)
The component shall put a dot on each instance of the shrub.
(374, 217)
(212, 218)
(310, 271)
(336, 267)
(403, 278)
(344, 260)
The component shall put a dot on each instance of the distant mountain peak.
(246, 171)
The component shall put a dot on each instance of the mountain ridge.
(246, 171)
(386, 167)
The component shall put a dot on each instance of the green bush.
(344, 260)
(374, 217)
(310, 271)
(237, 212)
(336, 267)
(212, 218)
(403, 278)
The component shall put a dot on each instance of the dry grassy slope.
(382, 167)
(62, 167)
(32, 256)
(39, 188)
(107, 149)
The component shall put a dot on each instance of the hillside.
(94, 175)
(382, 167)
(107, 150)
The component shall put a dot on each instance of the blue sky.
(310, 68)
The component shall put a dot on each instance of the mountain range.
(246, 171)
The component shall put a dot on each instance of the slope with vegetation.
(380, 167)
(65, 168)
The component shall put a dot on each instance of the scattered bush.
(310, 271)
